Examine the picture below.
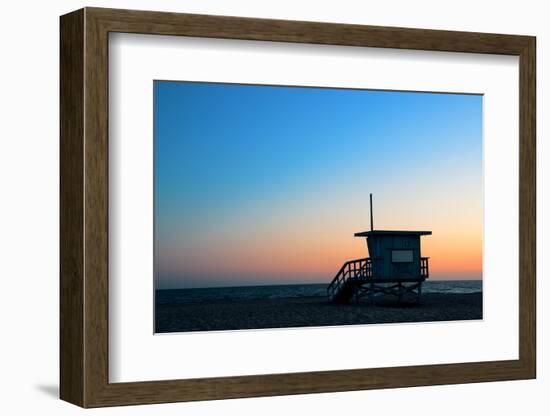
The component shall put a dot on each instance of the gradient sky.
(267, 184)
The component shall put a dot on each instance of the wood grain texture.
(96, 208)
(84, 207)
(527, 208)
(71, 100)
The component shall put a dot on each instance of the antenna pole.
(371, 220)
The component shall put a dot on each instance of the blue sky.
(255, 184)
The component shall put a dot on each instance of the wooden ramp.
(355, 281)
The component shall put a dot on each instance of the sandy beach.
(311, 311)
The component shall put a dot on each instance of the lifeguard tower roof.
(391, 232)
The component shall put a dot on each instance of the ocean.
(190, 296)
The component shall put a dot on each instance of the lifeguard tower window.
(402, 256)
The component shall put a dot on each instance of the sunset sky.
(267, 185)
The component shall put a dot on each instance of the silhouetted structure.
(395, 267)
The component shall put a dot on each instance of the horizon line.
(299, 284)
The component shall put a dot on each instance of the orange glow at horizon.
(304, 249)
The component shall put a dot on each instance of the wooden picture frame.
(84, 207)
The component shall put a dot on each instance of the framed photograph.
(255, 207)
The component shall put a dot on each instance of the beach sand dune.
(311, 311)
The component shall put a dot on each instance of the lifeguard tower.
(395, 267)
